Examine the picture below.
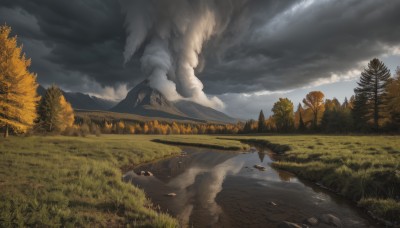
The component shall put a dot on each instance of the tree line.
(374, 107)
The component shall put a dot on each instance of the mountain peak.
(147, 101)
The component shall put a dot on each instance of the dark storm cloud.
(265, 45)
(301, 43)
(72, 42)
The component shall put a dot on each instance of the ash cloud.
(173, 34)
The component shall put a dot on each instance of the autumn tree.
(18, 98)
(55, 113)
(283, 114)
(261, 122)
(315, 101)
(66, 115)
(393, 99)
(370, 93)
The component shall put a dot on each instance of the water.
(222, 189)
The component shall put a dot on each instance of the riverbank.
(73, 181)
(365, 169)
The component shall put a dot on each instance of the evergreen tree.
(302, 126)
(370, 93)
(298, 117)
(345, 103)
(261, 123)
(18, 98)
(55, 113)
(360, 112)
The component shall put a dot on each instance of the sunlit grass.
(69, 181)
(363, 168)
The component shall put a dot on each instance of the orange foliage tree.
(315, 101)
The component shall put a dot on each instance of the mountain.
(146, 101)
(83, 101)
(198, 111)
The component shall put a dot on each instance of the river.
(223, 189)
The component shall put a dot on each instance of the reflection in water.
(217, 188)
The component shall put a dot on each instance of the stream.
(223, 189)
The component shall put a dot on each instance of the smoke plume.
(172, 34)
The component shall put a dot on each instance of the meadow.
(73, 181)
(77, 181)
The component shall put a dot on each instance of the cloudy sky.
(236, 55)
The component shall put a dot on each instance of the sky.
(238, 56)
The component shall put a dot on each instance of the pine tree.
(302, 126)
(55, 113)
(370, 93)
(261, 122)
(345, 104)
(18, 98)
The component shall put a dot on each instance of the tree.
(55, 113)
(18, 98)
(370, 93)
(261, 122)
(315, 101)
(336, 118)
(67, 115)
(283, 114)
(393, 97)
(301, 126)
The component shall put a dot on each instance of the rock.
(286, 224)
(148, 174)
(331, 220)
(172, 194)
(312, 221)
(273, 203)
(259, 167)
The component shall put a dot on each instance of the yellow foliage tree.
(18, 98)
(315, 101)
(66, 115)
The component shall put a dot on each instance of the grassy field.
(72, 181)
(365, 169)
(62, 181)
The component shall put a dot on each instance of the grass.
(365, 169)
(70, 182)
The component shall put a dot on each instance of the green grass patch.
(69, 181)
(359, 167)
